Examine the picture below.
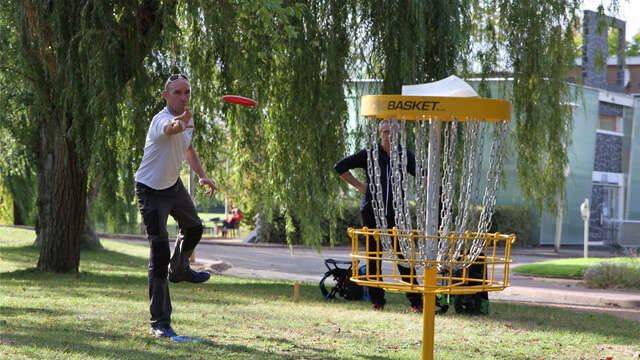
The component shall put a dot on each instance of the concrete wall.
(632, 204)
(581, 155)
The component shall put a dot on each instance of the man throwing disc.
(160, 193)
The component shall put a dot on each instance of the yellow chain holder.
(437, 273)
(452, 275)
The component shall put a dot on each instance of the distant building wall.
(595, 51)
(632, 203)
(581, 154)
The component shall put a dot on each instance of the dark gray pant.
(377, 294)
(155, 207)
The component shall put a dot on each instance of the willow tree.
(76, 86)
(539, 46)
(17, 173)
(290, 56)
(414, 41)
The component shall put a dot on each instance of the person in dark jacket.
(359, 160)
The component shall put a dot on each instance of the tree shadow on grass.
(320, 353)
(544, 319)
(88, 258)
(245, 292)
(17, 311)
(68, 341)
(123, 276)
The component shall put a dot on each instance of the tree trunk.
(17, 215)
(61, 201)
(89, 239)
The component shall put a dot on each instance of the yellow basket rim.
(439, 107)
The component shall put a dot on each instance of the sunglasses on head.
(175, 77)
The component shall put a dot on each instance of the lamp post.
(585, 211)
(560, 216)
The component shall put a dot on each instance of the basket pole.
(428, 313)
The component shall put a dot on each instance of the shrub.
(609, 275)
(512, 219)
(274, 231)
(350, 218)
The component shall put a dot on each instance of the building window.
(610, 123)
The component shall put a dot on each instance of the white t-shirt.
(163, 154)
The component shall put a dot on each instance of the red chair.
(230, 230)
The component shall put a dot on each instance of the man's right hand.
(179, 123)
(185, 116)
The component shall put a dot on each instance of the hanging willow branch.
(539, 36)
(290, 57)
(415, 41)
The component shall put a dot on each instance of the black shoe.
(162, 332)
(189, 275)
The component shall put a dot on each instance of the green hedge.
(274, 231)
(511, 219)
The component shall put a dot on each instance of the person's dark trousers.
(155, 207)
(377, 294)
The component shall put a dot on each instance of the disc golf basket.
(454, 199)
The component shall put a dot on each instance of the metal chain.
(405, 178)
(493, 182)
(433, 188)
(405, 215)
(396, 176)
(398, 172)
(475, 199)
(469, 183)
(467, 180)
(375, 188)
(448, 178)
(421, 181)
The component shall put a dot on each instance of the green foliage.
(614, 275)
(17, 133)
(511, 219)
(16, 170)
(413, 41)
(275, 231)
(621, 272)
(75, 91)
(612, 42)
(633, 48)
(573, 267)
(290, 56)
(294, 57)
(539, 47)
(6, 206)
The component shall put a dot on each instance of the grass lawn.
(102, 313)
(574, 267)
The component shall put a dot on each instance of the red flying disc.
(240, 100)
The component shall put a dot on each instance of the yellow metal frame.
(440, 107)
(497, 247)
(495, 259)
